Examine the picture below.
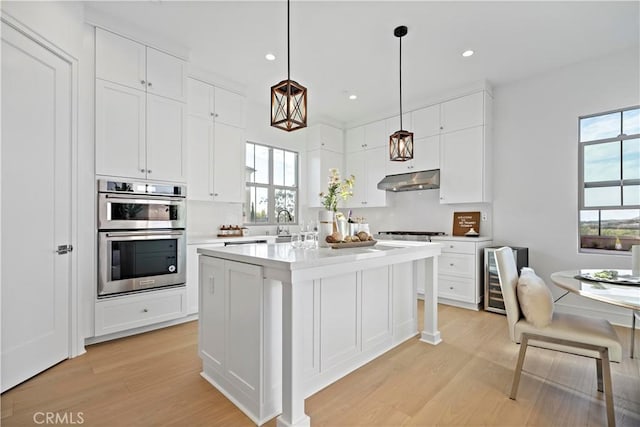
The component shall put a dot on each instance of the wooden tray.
(352, 244)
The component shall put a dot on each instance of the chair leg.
(633, 331)
(608, 387)
(518, 372)
(599, 374)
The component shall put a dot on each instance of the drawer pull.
(145, 310)
(451, 246)
(451, 287)
(451, 264)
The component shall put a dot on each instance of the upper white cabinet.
(129, 63)
(366, 157)
(426, 152)
(140, 116)
(138, 135)
(462, 113)
(465, 151)
(215, 147)
(326, 153)
(324, 136)
(426, 121)
(368, 166)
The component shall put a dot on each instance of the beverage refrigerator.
(492, 293)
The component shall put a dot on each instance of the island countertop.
(285, 256)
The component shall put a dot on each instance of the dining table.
(620, 289)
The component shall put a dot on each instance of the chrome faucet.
(282, 230)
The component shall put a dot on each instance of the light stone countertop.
(285, 256)
(462, 238)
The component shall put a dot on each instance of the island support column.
(430, 332)
(292, 355)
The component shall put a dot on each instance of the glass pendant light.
(288, 99)
(401, 142)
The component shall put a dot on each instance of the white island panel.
(297, 320)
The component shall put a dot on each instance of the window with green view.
(271, 185)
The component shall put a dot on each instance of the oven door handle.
(144, 233)
(148, 200)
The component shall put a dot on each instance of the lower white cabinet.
(460, 271)
(192, 274)
(133, 311)
(349, 320)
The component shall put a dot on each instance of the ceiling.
(340, 48)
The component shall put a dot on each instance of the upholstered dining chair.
(579, 335)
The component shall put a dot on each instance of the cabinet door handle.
(451, 287)
(142, 82)
(148, 170)
(211, 114)
(212, 284)
(142, 170)
(451, 264)
(149, 84)
(145, 310)
(451, 246)
(215, 194)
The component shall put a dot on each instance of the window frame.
(272, 188)
(582, 186)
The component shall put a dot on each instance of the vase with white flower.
(337, 189)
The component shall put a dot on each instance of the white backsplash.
(206, 217)
(405, 211)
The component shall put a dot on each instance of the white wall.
(536, 163)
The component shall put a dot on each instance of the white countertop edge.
(284, 256)
(462, 238)
(198, 239)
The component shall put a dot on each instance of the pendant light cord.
(401, 128)
(288, 46)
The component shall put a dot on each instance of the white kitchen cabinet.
(326, 137)
(318, 164)
(393, 124)
(228, 164)
(375, 134)
(166, 136)
(464, 174)
(426, 121)
(354, 140)
(368, 166)
(215, 149)
(133, 311)
(192, 274)
(426, 156)
(120, 130)
(231, 308)
(132, 64)
(460, 271)
(463, 112)
(139, 135)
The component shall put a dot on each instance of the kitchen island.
(277, 323)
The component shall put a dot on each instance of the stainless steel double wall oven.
(141, 236)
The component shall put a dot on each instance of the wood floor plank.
(153, 379)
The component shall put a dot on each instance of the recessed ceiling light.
(467, 53)
(352, 97)
(270, 57)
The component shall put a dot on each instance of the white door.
(36, 207)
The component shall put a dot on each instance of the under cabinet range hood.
(414, 181)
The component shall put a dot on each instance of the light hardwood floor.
(153, 379)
